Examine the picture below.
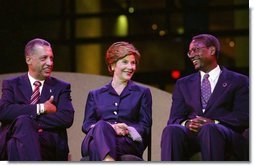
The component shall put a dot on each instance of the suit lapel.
(221, 86)
(195, 92)
(47, 90)
(25, 87)
(127, 90)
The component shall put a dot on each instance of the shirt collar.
(213, 74)
(32, 80)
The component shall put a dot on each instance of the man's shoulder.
(189, 77)
(16, 78)
(234, 74)
(137, 86)
(57, 81)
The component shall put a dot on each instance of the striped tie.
(36, 93)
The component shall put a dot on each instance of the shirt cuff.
(184, 123)
(37, 109)
(216, 121)
(40, 109)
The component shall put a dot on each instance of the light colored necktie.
(36, 93)
(205, 90)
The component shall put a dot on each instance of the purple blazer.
(133, 107)
(229, 102)
(16, 93)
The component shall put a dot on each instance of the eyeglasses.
(194, 50)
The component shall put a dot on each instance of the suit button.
(115, 112)
(116, 104)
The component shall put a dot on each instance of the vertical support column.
(72, 35)
(88, 56)
(241, 42)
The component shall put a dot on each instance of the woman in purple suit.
(118, 116)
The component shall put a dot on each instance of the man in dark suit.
(207, 115)
(33, 127)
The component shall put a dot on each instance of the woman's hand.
(121, 129)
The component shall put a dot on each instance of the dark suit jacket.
(134, 107)
(16, 93)
(229, 102)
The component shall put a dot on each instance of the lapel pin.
(224, 85)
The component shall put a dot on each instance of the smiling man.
(35, 110)
(210, 109)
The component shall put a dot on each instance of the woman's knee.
(103, 126)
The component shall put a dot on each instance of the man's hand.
(196, 123)
(49, 106)
(121, 129)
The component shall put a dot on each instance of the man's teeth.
(195, 61)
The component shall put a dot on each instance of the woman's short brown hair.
(118, 51)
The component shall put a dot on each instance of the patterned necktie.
(36, 93)
(205, 90)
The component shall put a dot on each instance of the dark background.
(160, 29)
